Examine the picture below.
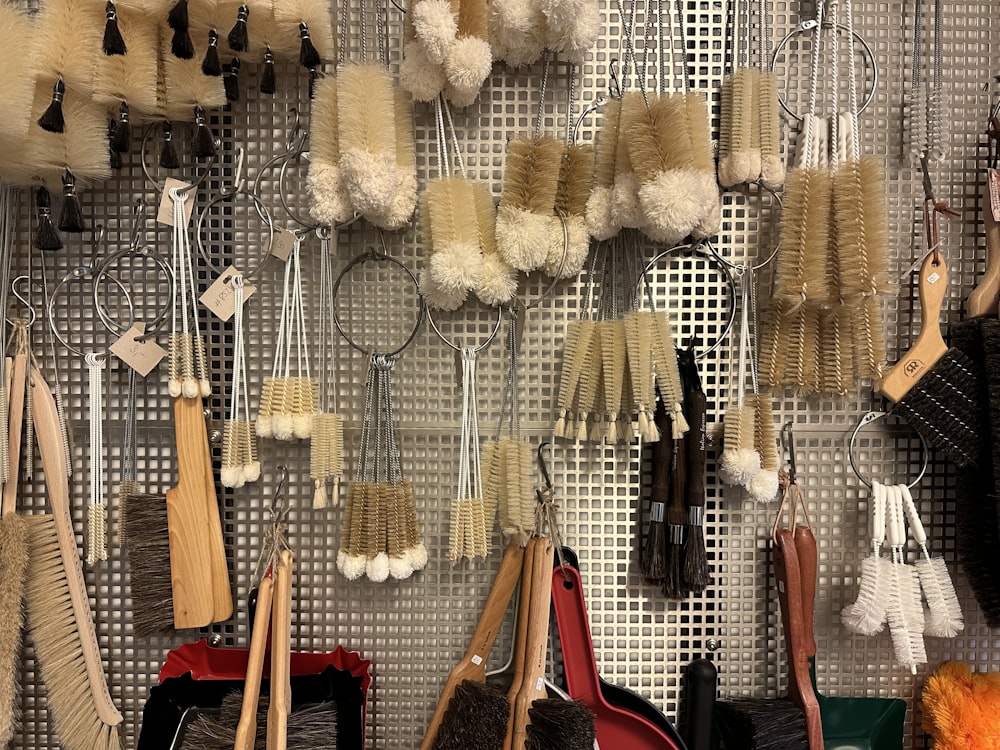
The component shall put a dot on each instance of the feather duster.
(575, 181)
(497, 278)
(131, 77)
(17, 91)
(600, 222)
(527, 201)
(187, 86)
(330, 202)
(68, 36)
(517, 31)
(366, 120)
(470, 59)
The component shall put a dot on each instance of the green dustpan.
(860, 723)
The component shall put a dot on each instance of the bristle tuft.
(268, 76)
(52, 119)
(211, 65)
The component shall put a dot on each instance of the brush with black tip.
(696, 575)
(653, 558)
(673, 581)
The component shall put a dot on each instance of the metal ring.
(145, 252)
(810, 25)
(774, 253)
(867, 419)
(456, 347)
(371, 255)
(262, 212)
(697, 248)
(77, 274)
(161, 186)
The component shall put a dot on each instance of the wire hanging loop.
(237, 188)
(160, 185)
(458, 347)
(869, 418)
(811, 25)
(276, 535)
(371, 255)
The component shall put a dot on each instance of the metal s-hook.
(15, 289)
(239, 180)
(788, 433)
(138, 217)
(544, 469)
(295, 141)
(279, 503)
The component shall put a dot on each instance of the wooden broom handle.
(281, 654)
(520, 637)
(473, 664)
(246, 730)
(984, 298)
(536, 650)
(17, 376)
(53, 456)
(805, 550)
(929, 346)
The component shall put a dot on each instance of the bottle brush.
(572, 27)
(625, 210)
(764, 486)
(772, 166)
(704, 164)
(452, 241)
(423, 79)
(600, 222)
(331, 203)
(517, 31)
(801, 272)
(18, 87)
(497, 278)
(435, 23)
(469, 60)
(739, 462)
(568, 249)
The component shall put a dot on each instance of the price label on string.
(220, 297)
(165, 213)
(993, 184)
(138, 351)
(283, 245)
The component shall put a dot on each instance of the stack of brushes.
(521, 30)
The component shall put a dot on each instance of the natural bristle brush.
(330, 202)
(18, 87)
(578, 350)
(739, 462)
(497, 278)
(127, 83)
(600, 223)
(517, 31)
(422, 78)
(469, 60)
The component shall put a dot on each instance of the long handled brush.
(58, 607)
(697, 574)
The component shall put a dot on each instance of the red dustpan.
(616, 727)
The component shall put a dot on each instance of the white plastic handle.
(878, 515)
(896, 537)
(916, 526)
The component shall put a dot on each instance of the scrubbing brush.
(469, 60)
(735, 162)
(452, 242)
(570, 242)
(866, 614)
(497, 278)
(331, 203)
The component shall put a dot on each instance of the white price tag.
(165, 213)
(284, 243)
(220, 297)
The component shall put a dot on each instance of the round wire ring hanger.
(239, 187)
(451, 344)
(810, 25)
(80, 273)
(867, 419)
(134, 249)
(742, 267)
(373, 256)
(695, 248)
(161, 186)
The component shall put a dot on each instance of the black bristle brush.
(211, 65)
(113, 44)
(114, 157)
(52, 118)
(122, 134)
(144, 528)
(761, 724)
(239, 37)
(487, 732)
(180, 45)
(558, 724)
(168, 149)
(654, 562)
(268, 76)
(46, 236)
(71, 213)
(696, 571)
(204, 140)
(231, 80)
(308, 55)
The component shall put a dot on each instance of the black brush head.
(211, 65)
(761, 724)
(231, 80)
(122, 136)
(71, 213)
(204, 141)
(308, 55)
(268, 76)
(560, 725)
(46, 236)
(181, 45)
(168, 149)
(147, 539)
(476, 719)
(177, 19)
(114, 44)
(239, 38)
(52, 118)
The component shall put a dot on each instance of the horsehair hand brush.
(58, 607)
(470, 59)
(331, 203)
(67, 40)
(653, 555)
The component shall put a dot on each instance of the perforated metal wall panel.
(416, 630)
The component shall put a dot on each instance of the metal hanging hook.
(279, 503)
(788, 434)
(15, 289)
(544, 468)
(138, 219)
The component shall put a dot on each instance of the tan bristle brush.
(435, 23)
(738, 462)
(753, 154)
(801, 272)
(639, 342)
(67, 39)
(575, 182)
(725, 159)
(668, 376)
(600, 222)
(436, 296)
(569, 373)
(131, 77)
(772, 165)
(734, 167)
(366, 120)
(470, 59)
(764, 486)
(186, 84)
(527, 200)
(455, 256)
(589, 352)
(497, 278)
(330, 204)
(304, 32)
(423, 79)
(404, 200)
(704, 164)
(625, 212)
(18, 88)
(517, 31)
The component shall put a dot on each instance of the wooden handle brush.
(280, 706)
(246, 730)
(521, 635)
(473, 664)
(984, 298)
(536, 648)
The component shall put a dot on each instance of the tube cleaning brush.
(572, 27)
(470, 59)
(527, 200)
(568, 249)
(331, 203)
(704, 165)
(764, 486)
(517, 31)
(422, 78)
(734, 163)
(801, 272)
(17, 87)
(67, 38)
(455, 255)
(497, 278)
(600, 222)
(772, 166)
(435, 23)
(625, 210)
(739, 462)
(303, 32)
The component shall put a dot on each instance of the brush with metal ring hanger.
(772, 164)
(326, 447)
(904, 612)
(527, 200)
(613, 345)
(381, 535)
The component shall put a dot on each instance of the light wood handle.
(536, 652)
(246, 730)
(50, 447)
(520, 636)
(191, 571)
(929, 346)
(17, 376)
(222, 593)
(281, 655)
(984, 298)
(473, 664)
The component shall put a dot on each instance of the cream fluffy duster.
(330, 204)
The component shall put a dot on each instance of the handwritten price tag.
(220, 297)
(137, 351)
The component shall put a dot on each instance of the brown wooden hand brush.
(58, 607)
